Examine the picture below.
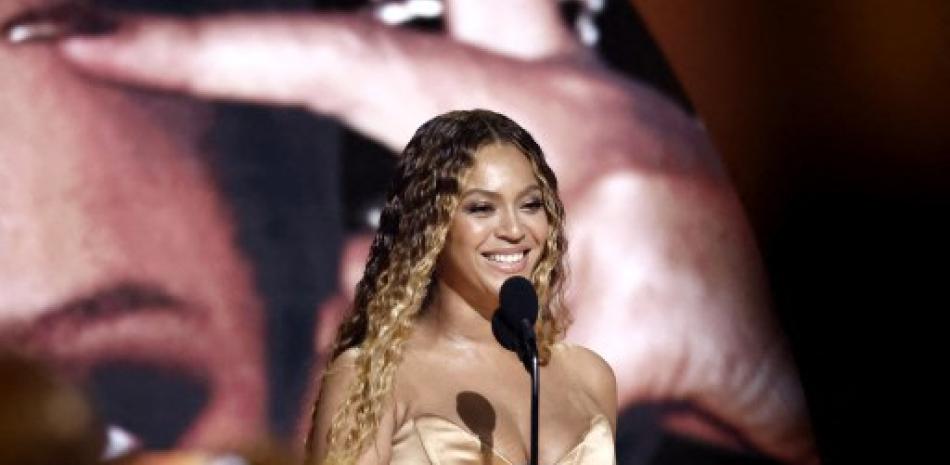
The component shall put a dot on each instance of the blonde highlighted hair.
(398, 279)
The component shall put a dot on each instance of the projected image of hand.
(666, 282)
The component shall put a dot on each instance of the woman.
(416, 375)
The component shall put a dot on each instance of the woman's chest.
(448, 409)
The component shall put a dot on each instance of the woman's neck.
(453, 319)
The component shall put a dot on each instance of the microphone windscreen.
(518, 301)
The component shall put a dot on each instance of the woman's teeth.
(506, 258)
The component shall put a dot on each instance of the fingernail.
(119, 442)
(56, 22)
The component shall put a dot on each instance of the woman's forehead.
(500, 167)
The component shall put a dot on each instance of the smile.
(507, 258)
(509, 261)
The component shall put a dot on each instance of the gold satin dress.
(433, 440)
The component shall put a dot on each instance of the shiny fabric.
(430, 439)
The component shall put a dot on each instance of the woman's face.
(498, 230)
(118, 260)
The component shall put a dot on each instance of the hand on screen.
(666, 281)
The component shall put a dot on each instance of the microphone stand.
(530, 361)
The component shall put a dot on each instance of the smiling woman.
(472, 204)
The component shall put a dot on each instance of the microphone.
(513, 322)
(513, 326)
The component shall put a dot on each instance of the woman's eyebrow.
(488, 193)
(533, 187)
(114, 300)
(122, 297)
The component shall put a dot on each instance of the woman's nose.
(510, 227)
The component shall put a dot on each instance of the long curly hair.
(398, 279)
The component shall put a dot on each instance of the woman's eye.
(156, 405)
(533, 205)
(480, 208)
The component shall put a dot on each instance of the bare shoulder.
(594, 374)
(334, 385)
(586, 364)
(334, 393)
(343, 367)
(337, 378)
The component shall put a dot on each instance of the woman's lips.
(508, 262)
